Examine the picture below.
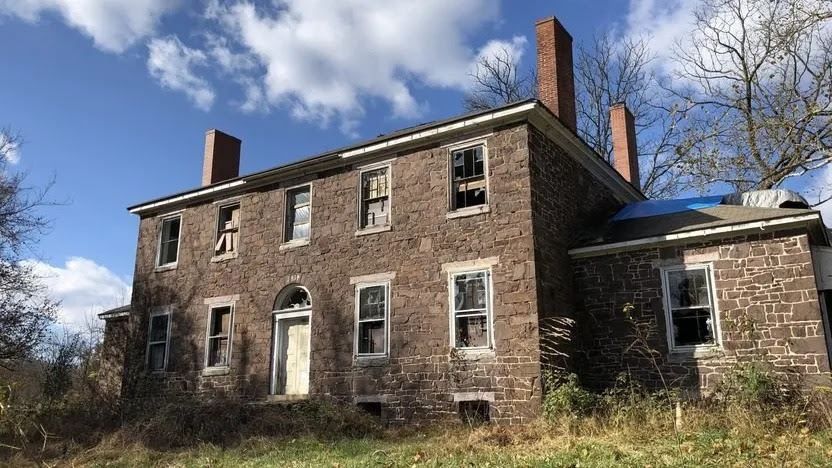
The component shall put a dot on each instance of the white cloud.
(173, 63)
(10, 149)
(83, 287)
(114, 25)
(323, 59)
(818, 187)
(664, 22)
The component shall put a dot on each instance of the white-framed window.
(158, 339)
(228, 229)
(469, 185)
(689, 306)
(374, 197)
(372, 311)
(218, 342)
(169, 241)
(471, 309)
(298, 213)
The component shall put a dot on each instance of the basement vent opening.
(474, 412)
(371, 407)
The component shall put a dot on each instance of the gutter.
(722, 231)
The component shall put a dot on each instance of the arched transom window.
(292, 298)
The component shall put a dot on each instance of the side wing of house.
(702, 291)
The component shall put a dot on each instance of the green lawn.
(483, 447)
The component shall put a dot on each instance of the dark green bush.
(565, 396)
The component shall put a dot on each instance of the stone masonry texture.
(421, 375)
(766, 299)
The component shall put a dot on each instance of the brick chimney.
(624, 149)
(222, 157)
(556, 79)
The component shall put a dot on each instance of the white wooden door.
(294, 358)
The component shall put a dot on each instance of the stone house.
(439, 268)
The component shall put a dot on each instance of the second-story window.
(298, 214)
(468, 186)
(228, 229)
(169, 241)
(375, 197)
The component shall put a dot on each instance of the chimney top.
(624, 148)
(222, 157)
(556, 79)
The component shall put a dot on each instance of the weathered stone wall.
(421, 375)
(113, 349)
(767, 306)
(566, 199)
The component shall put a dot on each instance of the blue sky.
(113, 98)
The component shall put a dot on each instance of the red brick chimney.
(556, 79)
(624, 149)
(222, 157)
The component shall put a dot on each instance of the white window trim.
(211, 307)
(668, 314)
(163, 219)
(155, 312)
(295, 242)
(380, 227)
(233, 254)
(387, 295)
(472, 210)
(489, 313)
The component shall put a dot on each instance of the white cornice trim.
(537, 116)
(595, 250)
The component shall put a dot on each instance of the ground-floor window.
(689, 304)
(471, 309)
(219, 336)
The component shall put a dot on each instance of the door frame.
(277, 317)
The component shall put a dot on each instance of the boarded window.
(468, 174)
(372, 319)
(158, 340)
(375, 197)
(219, 336)
(689, 299)
(471, 309)
(169, 241)
(298, 214)
(228, 229)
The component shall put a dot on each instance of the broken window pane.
(691, 314)
(222, 318)
(159, 328)
(471, 309)
(469, 185)
(688, 288)
(169, 242)
(692, 327)
(472, 331)
(372, 317)
(228, 225)
(218, 352)
(156, 356)
(470, 291)
(371, 337)
(297, 298)
(375, 206)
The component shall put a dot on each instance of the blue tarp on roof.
(647, 208)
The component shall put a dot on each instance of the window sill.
(465, 212)
(703, 352)
(293, 244)
(473, 353)
(169, 266)
(370, 361)
(373, 230)
(214, 371)
(286, 398)
(224, 257)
